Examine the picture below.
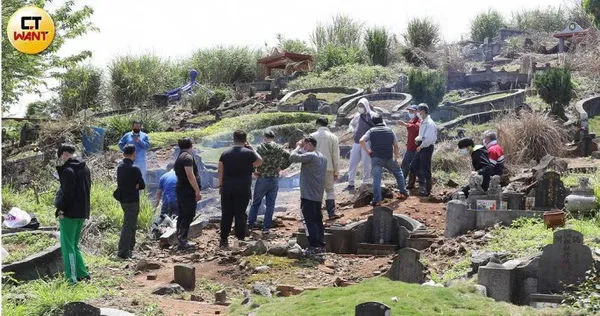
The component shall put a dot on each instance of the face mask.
(411, 116)
(419, 116)
(136, 130)
(361, 110)
(464, 151)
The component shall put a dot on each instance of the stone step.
(376, 249)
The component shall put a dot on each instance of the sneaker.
(375, 204)
(335, 216)
(187, 245)
(85, 278)
(224, 244)
(266, 232)
(402, 196)
(349, 188)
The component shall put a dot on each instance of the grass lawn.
(594, 125)
(328, 97)
(22, 245)
(488, 98)
(412, 300)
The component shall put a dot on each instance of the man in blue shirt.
(166, 190)
(141, 142)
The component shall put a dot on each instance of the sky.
(176, 28)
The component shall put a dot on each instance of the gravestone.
(185, 275)
(372, 309)
(516, 200)
(550, 193)
(406, 267)
(382, 226)
(563, 262)
(311, 104)
(80, 308)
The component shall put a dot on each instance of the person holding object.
(425, 142)
(187, 191)
(141, 142)
(312, 185)
(359, 125)
(235, 169)
(412, 128)
(479, 160)
(129, 184)
(166, 193)
(329, 145)
(73, 208)
(384, 153)
(275, 158)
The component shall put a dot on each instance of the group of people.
(487, 159)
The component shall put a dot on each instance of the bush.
(422, 33)
(79, 89)
(378, 42)
(118, 125)
(134, 79)
(592, 7)
(225, 65)
(555, 88)
(293, 46)
(549, 20)
(360, 76)
(333, 56)
(39, 109)
(426, 87)
(486, 24)
(343, 31)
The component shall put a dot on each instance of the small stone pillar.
(516, 200)
(459, 219)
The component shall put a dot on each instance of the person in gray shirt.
(312, 184)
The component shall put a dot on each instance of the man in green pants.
(73, 208)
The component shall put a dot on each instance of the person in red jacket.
(495, 152)
(412, 127)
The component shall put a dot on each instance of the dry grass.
(530, 136)
(446, 157)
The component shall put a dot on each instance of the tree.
(332, 56)
(342, 31)
(426, 87)
(293, 46)
(555, 88)
(549, 19)
(592, 7)
(378, 42)
(39, 109)
(79, 89)
(22, 73)
(486, 24)
(422, 33)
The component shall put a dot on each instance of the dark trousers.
(313, 221)
(187, 211)
(233, 206)
(422, 163)
(407, 160)
(127, 239)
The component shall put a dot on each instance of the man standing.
(166, 192)
(412, 128)
(329, 145)
(312, 184)
(129, 184)
(495, 152)
(187, 191)
(235, 180)
(384, 153)
(359, 125)
(141, 142)
(479, 159)
(73, 208)
(275, 159)
(425, 142)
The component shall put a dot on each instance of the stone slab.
(406, 267)
(376, 249)
(372, 309)
(169, 238)
(185, 275)
(498, 280)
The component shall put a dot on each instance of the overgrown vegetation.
(426, 87)
(555, 88)
(378, 42)
(592, 7)
(225, 65)
(116, 126)
(19, 246)
(586, 296)
(422, 33)
(342, 31)
(486, 24)
(548, 19)
(80, 88)
(360, 76)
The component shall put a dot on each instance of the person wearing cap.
(495, 152)
(129, 184)
(187, 191)
(412, 129)
(384, 152)
(312, 185)
(329, 145)
(425, 142)
(141, 141)
(166, 194)
(479, 160)
(359, 125)
(275, 158)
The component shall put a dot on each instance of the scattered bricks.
(185, 275)
(151, 276)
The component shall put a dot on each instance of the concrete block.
(185, 275)
(498, 280)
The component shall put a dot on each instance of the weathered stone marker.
(80, 308)
(406, 267)
(372, 309)
(382, 226)
(185, 275)
(550, 192)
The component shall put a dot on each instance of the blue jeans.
(170, 208)
(265, 187)
(377, 165)
(406, 161)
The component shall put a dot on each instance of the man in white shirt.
(425, 141)
(329, 145)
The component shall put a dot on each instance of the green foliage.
(331, 56)
(24, 73)
(134, 79)
(343, 31)
(80, 89)
(199, 100)
(116, 126)
(293, 45)
(27, 201)
(486, 24)
(549, 19)
(11, 130)
(361, 76)
(225, 65)
(422, 33)
(39, 109)
(592, 7)
(555, 88)
(426, 87)
(22, 245)
(586, 296)
(378, 42)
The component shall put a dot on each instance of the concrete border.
(350, 93)
(345, 110)
(588, 108)
(47, 262)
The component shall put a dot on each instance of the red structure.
(289, 62)
(573, 32)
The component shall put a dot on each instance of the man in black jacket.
(129, 183)
(479, 159)
(73, 208)
(187, 191)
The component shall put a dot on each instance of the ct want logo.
(30, 30)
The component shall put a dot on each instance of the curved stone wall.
(476, 118)
(45, 263)
(588, 108)
(351, 93)
(469, 106)
(346, 111)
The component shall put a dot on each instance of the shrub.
(343, 31)
(361, 76)
(118, 125)
(332, 56)
(555, 88)
(426, 87)
(378, 42)
(549, 19)
(79, 89)
(486, 24)
(293, 45)
(422, 33)
(225, 65)
(592, 7)
(39, 109)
